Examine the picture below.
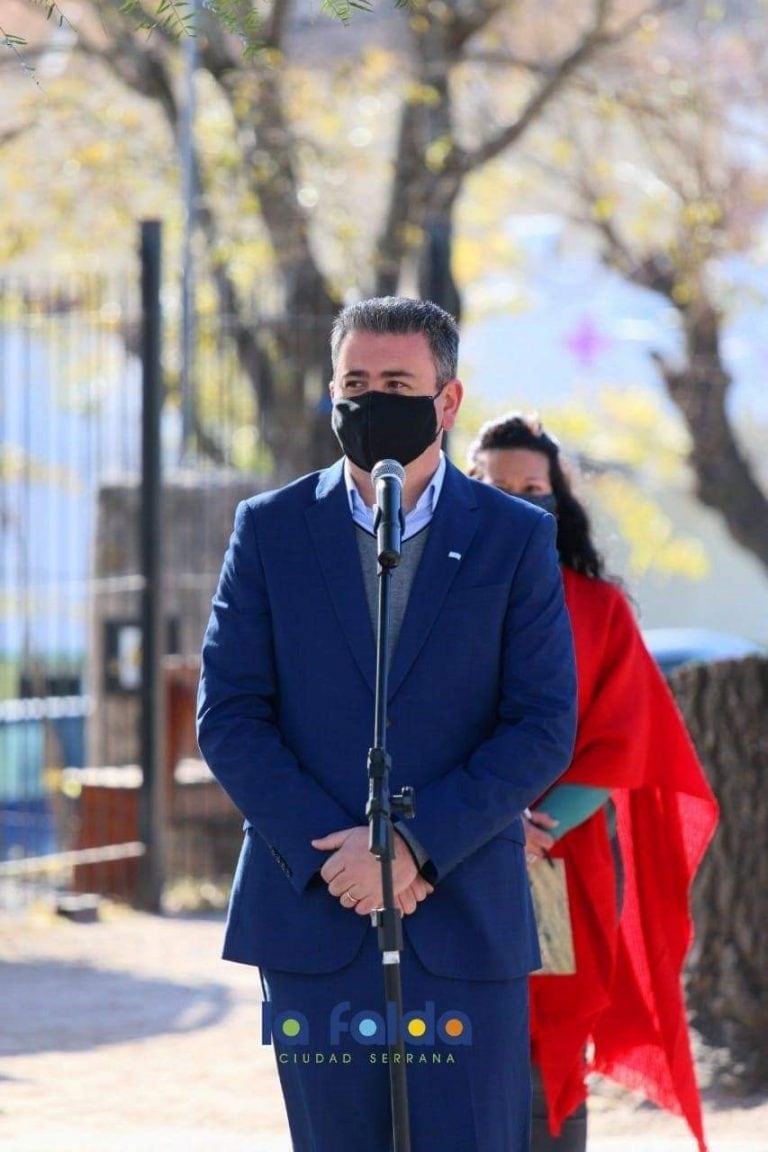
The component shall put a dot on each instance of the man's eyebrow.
(393, 372)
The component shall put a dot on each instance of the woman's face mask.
(545, 500)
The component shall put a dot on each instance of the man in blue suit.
(480, 720)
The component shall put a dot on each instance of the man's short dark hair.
(400, 316)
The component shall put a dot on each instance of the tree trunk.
(418, 228)
(725, 706)
(725, 479)
(295, 423)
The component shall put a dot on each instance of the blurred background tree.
(339, 179)
(662, 155)
(385, 155)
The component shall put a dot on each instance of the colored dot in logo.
(367, 1026)
(416, 1027)
(290, 1027)
(453, 1027)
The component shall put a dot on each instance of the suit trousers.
(467, 1057)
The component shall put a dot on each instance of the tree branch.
(467, 20)
(463, 161)
(10, 134)
(724, 478)
(142, 67)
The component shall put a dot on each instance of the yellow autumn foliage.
(653, 544)
(17, 466)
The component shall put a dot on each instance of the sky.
(575, 326)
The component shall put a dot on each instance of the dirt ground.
(131, 1033)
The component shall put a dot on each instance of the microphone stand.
(379, 811)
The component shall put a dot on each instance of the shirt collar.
(427, 502)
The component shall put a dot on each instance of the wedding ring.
(349, 895)
(530, 857)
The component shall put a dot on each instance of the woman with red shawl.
(621, 1013)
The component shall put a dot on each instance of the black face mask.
(379, 426)
(545, 500)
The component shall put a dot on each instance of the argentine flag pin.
(454, 555)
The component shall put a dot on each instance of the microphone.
(388, 477)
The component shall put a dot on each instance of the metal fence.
(77, 811)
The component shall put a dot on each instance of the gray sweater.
(400, 581)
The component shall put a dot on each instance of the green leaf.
(342, 9)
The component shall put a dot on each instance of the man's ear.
(453, 392)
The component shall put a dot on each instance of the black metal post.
(436, 282)
(152, 800)
(379, 813)
(187, 153)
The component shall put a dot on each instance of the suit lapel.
(332, 531)
(450, 534)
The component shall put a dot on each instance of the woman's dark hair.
(574, 540)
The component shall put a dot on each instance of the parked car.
(672, 647)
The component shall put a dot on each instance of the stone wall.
(198, 513)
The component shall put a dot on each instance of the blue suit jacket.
(481, 719)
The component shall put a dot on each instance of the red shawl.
(626, 997)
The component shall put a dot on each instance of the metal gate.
(111, 544)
